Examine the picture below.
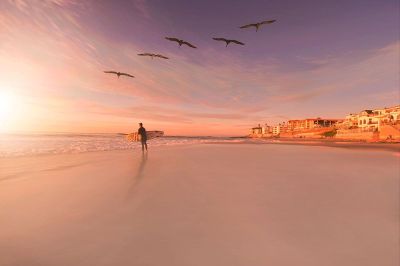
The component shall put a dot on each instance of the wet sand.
(219, 204)
(330, 142)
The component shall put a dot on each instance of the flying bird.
(228, 41)
(153, 55)
(180, 42)
(258, 25)
(119, 73)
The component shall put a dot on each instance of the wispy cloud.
(142, 7)
(60, 57)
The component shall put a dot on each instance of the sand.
(216, 204)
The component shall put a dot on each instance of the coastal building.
(298, 124)
(257, 130)
(395, 113)
(261, 131)
(369, 124)
(276, 130)
(310, 123)
(350, 121)
(368, 121)
(280, 128)
(266, 129)
(372, 120)
(388, 115)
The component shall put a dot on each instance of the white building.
(351, 121)
(280, 128)
(276, 130)
(368, 121)
(371, 120)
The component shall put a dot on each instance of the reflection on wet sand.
(139, 173)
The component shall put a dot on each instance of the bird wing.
(237, 42)
(220, 39)
(172, 39)
(161, 56)
(267, 21)
(145, 54)
(189, 44)
(111, 72)
(126, 74)
(248, 26)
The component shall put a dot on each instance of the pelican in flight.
(119, 73)
(154, 55)
(258, 25)
(228, 41)
(180, 42)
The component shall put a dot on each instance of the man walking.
(143, 136)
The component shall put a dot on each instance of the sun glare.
(8, 108)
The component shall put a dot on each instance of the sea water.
(15, 145)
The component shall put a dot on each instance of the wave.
(17, 145)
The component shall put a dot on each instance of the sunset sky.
(320, 58)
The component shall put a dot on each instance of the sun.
(8, 107)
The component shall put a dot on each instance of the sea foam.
(12, 145)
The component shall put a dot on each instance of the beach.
(202, 204)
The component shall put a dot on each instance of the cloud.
(62, 58)
(218, 80)
(142, 7)
(157, 113)
(29, 5)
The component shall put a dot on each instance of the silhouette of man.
(143, 136)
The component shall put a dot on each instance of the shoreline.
(360, 145)
(329, 139)
(349, 144)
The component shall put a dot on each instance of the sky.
(319, 59)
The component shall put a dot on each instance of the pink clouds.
(168, 114)
(63, 61)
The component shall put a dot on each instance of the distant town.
(367, 125)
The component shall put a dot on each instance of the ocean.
(16, 145)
